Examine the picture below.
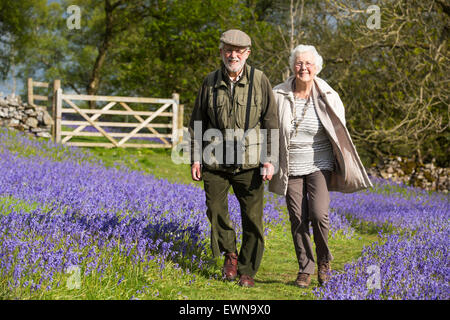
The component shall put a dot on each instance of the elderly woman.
(316, 156)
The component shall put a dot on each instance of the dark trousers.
(249, 190)
(308, 201)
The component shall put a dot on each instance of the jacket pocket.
(222, 112)
(252, 155)
(241, 111)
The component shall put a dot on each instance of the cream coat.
(349, 174)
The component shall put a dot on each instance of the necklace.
(296, 122)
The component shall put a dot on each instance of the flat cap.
(236, 38)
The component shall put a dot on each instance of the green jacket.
(229, 116)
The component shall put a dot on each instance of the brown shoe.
(303, 280)
(324, 272)
(246, 281)
(230, 266)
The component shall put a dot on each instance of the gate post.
(176, 98)
(58, 115)
(30, 91)
(180, 122)
(56, 86)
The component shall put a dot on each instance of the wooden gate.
(141, 121)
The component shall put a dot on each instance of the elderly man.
(234, 98)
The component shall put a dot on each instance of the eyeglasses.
(229, 51)
(306, 64)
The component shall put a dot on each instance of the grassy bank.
(125, 279)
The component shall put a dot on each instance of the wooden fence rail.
(64, 104)
(32, 96)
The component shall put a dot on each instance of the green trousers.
(249, 190)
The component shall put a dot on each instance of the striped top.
(309, 149)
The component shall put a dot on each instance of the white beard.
(237, 67)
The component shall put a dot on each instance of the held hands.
(196, 172)
(267, 171)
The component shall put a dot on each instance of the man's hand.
(196, 172)
(267, 171)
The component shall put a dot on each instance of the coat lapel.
(286, 105)
(321, 109)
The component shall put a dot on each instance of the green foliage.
(16, 30)
(393, 80)
(393, 85)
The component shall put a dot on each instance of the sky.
(7, 86)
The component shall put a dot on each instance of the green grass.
(156, 162)
(274, 280)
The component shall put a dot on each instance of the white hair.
(318, 60)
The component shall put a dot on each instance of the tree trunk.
(94, 80)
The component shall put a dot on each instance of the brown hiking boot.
(324, 272)
(246, 281)
(230, 266)
(303, 280)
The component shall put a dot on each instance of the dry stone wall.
(24, 117)
(427, 176)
